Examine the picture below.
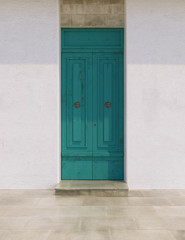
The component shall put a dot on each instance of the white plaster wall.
(155, 74)
(29, 93)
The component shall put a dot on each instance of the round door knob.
(77, 104)
(107, 104)
(95, 124)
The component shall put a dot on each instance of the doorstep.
(102, 188)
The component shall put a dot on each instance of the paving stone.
(131, 211)
(40, 215)
(177, 201)
(24, 235)
(142, 201)
(162, 193)
(142, 235)
(179, 235)
(108, 223)
(105, 201)
(82, 235)
(174, 223)
(54, 223)
(151, 222)
(13, 223)
(171, 211)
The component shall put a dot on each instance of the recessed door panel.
(108, 114)
(76, 116)
(76, 104)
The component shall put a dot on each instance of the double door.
(92, 115)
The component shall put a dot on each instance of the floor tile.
(174, 223)
(2, 235)
(162, 193)
(141, 235)
(54, 223)
(177, 201)
(149, 201)
(135, 193)
(108, 223)
(178, 211)
(82, 211)
(18, 201)
(19, 194)
(179, 235)
(38, 194)
(83, 235)
(65, 211)
(60, 201)
(150, 222)
(105, 201)
(12, 192)
(131, 211)
(25, 235)
(19, 211)
(182, 192)
(3, 210)
(13, 223)
(39, 214)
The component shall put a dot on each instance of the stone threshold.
(101, 188)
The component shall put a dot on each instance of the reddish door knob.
(94, 124)
(77, 104)
(107, 104)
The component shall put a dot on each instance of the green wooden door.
(108, 116)
(92, 105)
(77, 116)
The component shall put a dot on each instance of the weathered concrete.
(93, 188)
(92, 13)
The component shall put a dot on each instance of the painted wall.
(155, 93)
(29, 93)
(92, 13)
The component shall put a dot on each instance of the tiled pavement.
(143, 215)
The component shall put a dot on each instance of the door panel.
(108, 168)
(77, 116)
(108, 116)
(92, 104)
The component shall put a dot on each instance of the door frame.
(124, 102)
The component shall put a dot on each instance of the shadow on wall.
(155, 32)
(29, 32)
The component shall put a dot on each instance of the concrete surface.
(92, 13)
(143, 215)
(92, 188)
